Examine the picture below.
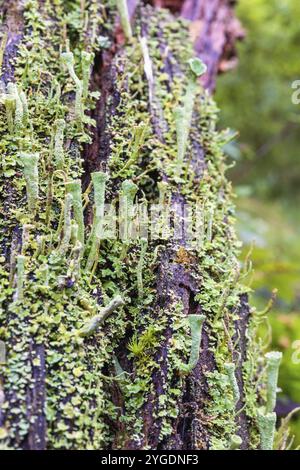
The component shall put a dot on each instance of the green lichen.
(99, 182)
(87, 59)
(124, 17)
(68, 60)
(184, 113)
(58, 143)
(92, 325)
(273, 362)
(266, 425)
(19, 295)
(74, 188)
(235, 442)
(230, 369)
(196, 323)
(31, 174)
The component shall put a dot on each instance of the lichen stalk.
(93, 324)
(266, 425)
(230, 369)
(13, 91)
(273, 362)
(74, 188)
(196, 323)
(58, 144)
(86, 62)
(124, 18)
(184, 113)
(68, 60)
(31, 174)
(140, 265)
(67, 229)
(20, 278)
(127, 195)
(99, 179)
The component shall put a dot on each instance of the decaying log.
(127, 384)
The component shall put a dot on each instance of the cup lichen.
(31, 174)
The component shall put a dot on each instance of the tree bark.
(123, 386)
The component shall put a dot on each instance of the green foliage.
(274, 228)
(256, 98)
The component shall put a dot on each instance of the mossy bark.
(120, 387)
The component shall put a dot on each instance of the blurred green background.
(255, 100)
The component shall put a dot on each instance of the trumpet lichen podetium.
(230, 369)
(68, 59)
(127, 195)
(20, 278)
(13, 91)
(196, 323)
(124, 18)
(31, 174)
(273, 362)
(67, 230)
(140, 265)
(74, 188)
(58, 143)
(99, 179)
(266, 426)
(235, 442)
(86, 63)
(92, 325)
(10, 103)
(25, 110)
(184, 113)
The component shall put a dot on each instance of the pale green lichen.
(61, 298)
(235, 442)
(20, 278)
(184, 113)
(2, 361)
(196, 323)
(99, 179)
(273, 359)
(9, 102)
(124, 17)
(74, 188)
(59, 154)
(67, 228)
(86, 63)
(230, 369)
(127, 195)
(140, 265)
(68, 59)
(93, 324)
(25, 110)
(266, 425)
(13, 92)
(31, 174)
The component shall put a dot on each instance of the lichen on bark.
(119, 386)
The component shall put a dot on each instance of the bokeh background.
(255, 100)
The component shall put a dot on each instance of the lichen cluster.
(73, 373)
